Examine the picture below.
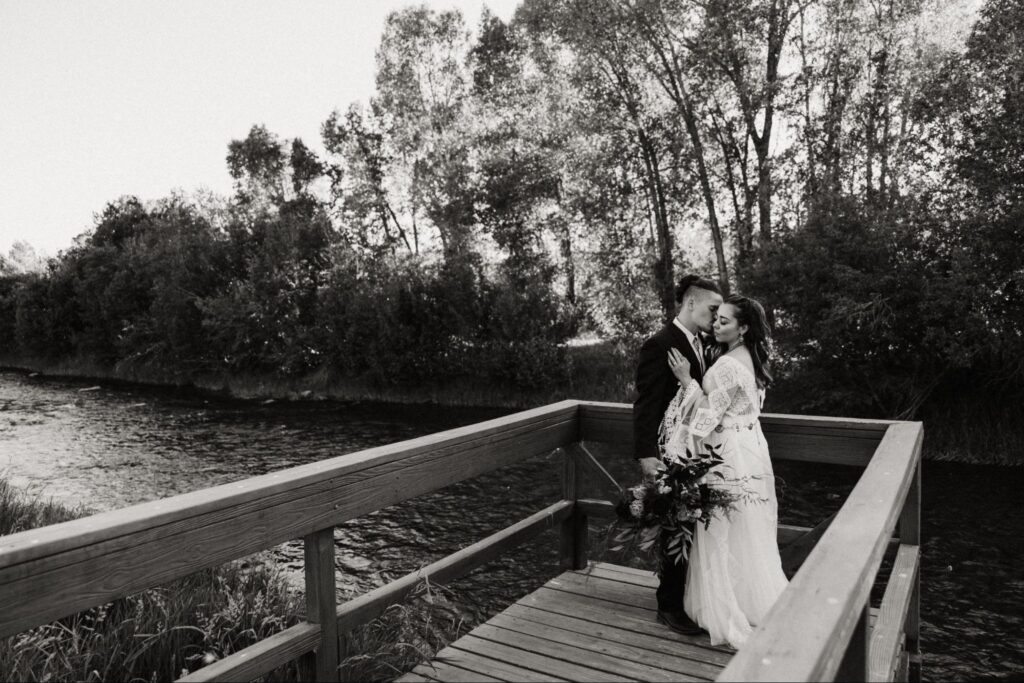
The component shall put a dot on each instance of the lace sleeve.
(724, 385)
(696, 410)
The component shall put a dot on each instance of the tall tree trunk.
(690, 119)
(664, 269)
(672, 82)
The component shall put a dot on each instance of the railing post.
(910, 534)
(854, 666)
(321, 606)
(574, 528)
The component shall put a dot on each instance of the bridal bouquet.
(686, 490)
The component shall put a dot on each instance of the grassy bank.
(969, 428)
(598, 371)
(158, 634)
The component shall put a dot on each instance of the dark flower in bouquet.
(685, 492)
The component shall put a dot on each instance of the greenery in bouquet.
(685, 492)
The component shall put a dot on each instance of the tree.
(422, 86)
(257, 164)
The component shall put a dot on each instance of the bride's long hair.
(758, 337)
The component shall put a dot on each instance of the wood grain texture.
(320, 603)
(845, 441)
(807, 631)
(442, 671)
(550, 642)
(412, 678)
(638, 619)
(692, 660)
(887, 636)
(51, 572)
(527, 659)
(372, 604)
(472, 661)
(260, 658)
(650, 665)
(853, 667)
(576, 628)
(16, 548)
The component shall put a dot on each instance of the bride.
(735, 574)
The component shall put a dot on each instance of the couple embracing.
(700, 381)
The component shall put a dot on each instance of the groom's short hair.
(694, 281)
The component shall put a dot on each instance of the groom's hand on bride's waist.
(649, 467)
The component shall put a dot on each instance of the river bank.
(598, 371)
(117, 445)
(964, 428)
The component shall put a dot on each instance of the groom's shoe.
(680, 623)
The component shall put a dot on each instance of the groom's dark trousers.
(655, 387)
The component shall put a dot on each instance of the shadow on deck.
(588, 625)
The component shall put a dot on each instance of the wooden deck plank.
(677, 668)
(472, 661)
(442, 671)
(541, 642)
(605, 589)
(411, 678)
(580, 626)
(615, 614)
(623, 569)
(649, 582)
(643, 645)
(540, 663)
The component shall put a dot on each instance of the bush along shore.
(960, 426)
(161, 633)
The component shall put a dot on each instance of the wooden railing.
(819, 629)
(54, 571)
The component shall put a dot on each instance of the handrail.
(816, 631)
(54, 571)
(269, 653)
(806, 634)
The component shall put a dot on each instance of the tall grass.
(404, 635)
(154, 635)
(161, 633)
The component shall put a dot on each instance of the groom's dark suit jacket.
(656, 385)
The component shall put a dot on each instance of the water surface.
(119, 444)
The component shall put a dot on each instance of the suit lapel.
(680, 341)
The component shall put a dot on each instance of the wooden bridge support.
(321, 606)
(910, 534)
(574, 531)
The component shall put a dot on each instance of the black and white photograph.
(511, 340)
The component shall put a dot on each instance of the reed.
(161, 633)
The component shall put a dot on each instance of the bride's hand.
(679, 365)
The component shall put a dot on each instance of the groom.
(697, 301)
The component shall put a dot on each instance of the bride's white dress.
(735, 574)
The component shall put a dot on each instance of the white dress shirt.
(694, 342)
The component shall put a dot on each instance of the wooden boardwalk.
(589, 625)
(593, 623)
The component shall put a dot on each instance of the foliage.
(854, 164)
(153, 635)
(656, 518)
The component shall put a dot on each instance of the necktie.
(700, 352)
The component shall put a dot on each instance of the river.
(111, 445)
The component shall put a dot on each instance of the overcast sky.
(102, 98)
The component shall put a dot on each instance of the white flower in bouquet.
(640, 492)
(636, 508)
(664, 488)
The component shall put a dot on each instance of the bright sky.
(104, 98)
